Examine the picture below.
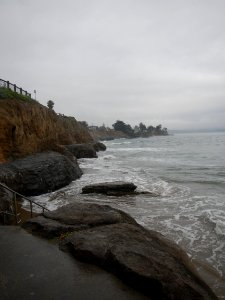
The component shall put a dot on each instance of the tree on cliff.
(121, 126)
(50, 104)
(84, 124)
(142, 127)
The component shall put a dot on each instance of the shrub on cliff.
(50, 104)
(9, 94)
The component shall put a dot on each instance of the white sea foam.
(108, 157)
(216, 219)
(120, 143)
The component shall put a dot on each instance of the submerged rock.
(76, 216)
(117, 188)
(82, 150)
(142, 258)
(39, 173)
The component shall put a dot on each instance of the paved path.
(34, 268)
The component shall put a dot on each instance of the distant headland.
(123, 130)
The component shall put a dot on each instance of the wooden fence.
(14, 88)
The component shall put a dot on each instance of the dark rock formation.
(112, 239)
(117, 188)
(49, 228)
(76, 216)
(39, 173)
(82, 150)
(98, 146)
(142, 258)
(6, 206)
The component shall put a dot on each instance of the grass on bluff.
(9, 94)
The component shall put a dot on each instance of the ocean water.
(187, 173)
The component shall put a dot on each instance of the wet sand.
(34, 268)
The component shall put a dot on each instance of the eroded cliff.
(28, 127)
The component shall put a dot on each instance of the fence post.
(7, 84)
(14, 88)
(21, 91)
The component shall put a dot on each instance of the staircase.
(16, 205)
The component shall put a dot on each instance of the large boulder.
(142, 258)
(75, 216)
(39, 173)
(6, 206)
(117, 188)
(82, 150)
(98, 146)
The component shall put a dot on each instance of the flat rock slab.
(76, 216)
(110, 188)
(144, 259)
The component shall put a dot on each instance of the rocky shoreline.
(47, 171)
(113, 240)
(100, 234)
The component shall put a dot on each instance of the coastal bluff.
(27, 127)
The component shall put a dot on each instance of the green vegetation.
(50, 104)
(140, 130)
(9, 94)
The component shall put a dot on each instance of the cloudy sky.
(155, 61)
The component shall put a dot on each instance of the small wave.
(108, 157)
(120, 143)
(144, 149)
(216, 219)
(195, 181)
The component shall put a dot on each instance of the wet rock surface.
(76, 216)
(112, 239)
(98, 146)
(117, 188)
(39, 173)
(142, 258)
(82, 150)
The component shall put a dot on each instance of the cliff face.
(107, 134)
(28, 127)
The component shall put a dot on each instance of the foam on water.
(216, 218)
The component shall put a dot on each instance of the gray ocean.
(187, 172)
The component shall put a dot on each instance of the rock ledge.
(116, 188)
(113, 240)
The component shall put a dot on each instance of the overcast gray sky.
(155, 61)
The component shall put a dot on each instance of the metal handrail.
(15, 202)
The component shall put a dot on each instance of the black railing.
(14, 88)
(15, 212)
